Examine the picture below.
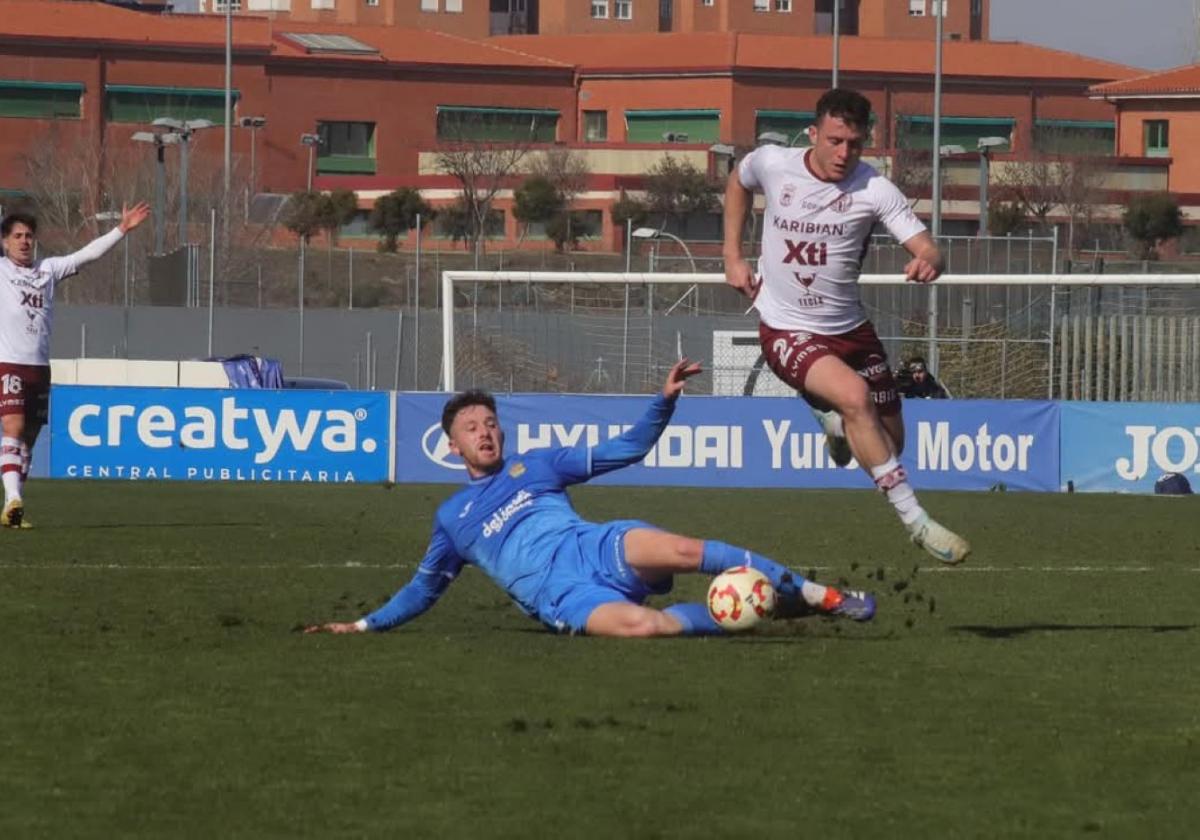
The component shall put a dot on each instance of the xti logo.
(806, 253)
(31, 299)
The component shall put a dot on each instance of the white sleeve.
(63, 267)
(893, 210)
(750, 169)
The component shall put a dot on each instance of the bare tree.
(911, 171)
(62, 178)
(483, 167)
(1063, 185)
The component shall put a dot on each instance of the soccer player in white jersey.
(821, 204)
(27, 289)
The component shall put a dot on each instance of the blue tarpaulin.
(253, 372)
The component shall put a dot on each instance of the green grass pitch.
(154, 685)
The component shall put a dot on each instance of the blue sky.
(1143, 33)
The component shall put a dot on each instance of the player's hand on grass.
(739, 275)
(335, 627)
(680, 373)
(133, 216)
(921, 270)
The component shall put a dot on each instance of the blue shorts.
(593, 572)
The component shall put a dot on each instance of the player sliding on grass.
(27, 288)
(821, 205)
(516, 523)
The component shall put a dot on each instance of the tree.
(396, 213)
(306, 213)
(1004, 217)
(536, 201)
(1068, 184)
(1150, 220)
(912, 173)
(677, 189)
(340, 207)
(628, 209)
(482, 168)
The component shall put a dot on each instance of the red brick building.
(83, 77)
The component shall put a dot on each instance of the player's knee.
(855, 401)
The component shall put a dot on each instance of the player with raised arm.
(515, 521)
(27, 287)
(821, 205)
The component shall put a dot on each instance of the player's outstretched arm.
(926, 264)
(634, 443)
(437, 571)
(131, 217)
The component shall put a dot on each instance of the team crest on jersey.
(789, 193)
(842, 203)
(516, 470)
(805, 280)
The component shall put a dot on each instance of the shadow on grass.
(1010, 631)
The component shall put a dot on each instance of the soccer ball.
(740, 598)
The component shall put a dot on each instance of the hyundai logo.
(436, 446)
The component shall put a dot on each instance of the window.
(595, 126)
(372, 2)
(346, 147)
(454, 6)
(916, 8)
(1075, 137)
(234, 5)
(429, 5)
(706, 2)
(1157, 138)
(142, 104)
(40, 100)
(697, 126)
(503, 125)
(783, 5)
(762, 5)
(599, 9)
(916, 132)
(623, 9)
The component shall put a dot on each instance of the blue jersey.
(515, 523)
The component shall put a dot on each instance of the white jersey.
(27, 300)
(815, 235)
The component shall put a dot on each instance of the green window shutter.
(497, 125)
(1075, 137)
(916, 132)
(144, 104)
(700, 126)
(346, 148)
(40, 100)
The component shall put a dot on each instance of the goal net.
(999, 336)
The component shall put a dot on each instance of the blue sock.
(719, 556)
(695, 619)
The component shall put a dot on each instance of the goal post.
(995, 335)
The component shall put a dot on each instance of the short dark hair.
(27, 219)
(847, 105)
(465, 400)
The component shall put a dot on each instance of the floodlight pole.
(228, 139)
(936, 215)
(837, 27)
(984, 164)
(185, 139)
(160, 196)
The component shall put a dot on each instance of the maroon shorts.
(25, 389)
(790, 353)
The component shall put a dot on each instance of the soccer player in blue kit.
(515, 521)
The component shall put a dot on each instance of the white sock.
(10, 467)
(891, 478)
(813, 593)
